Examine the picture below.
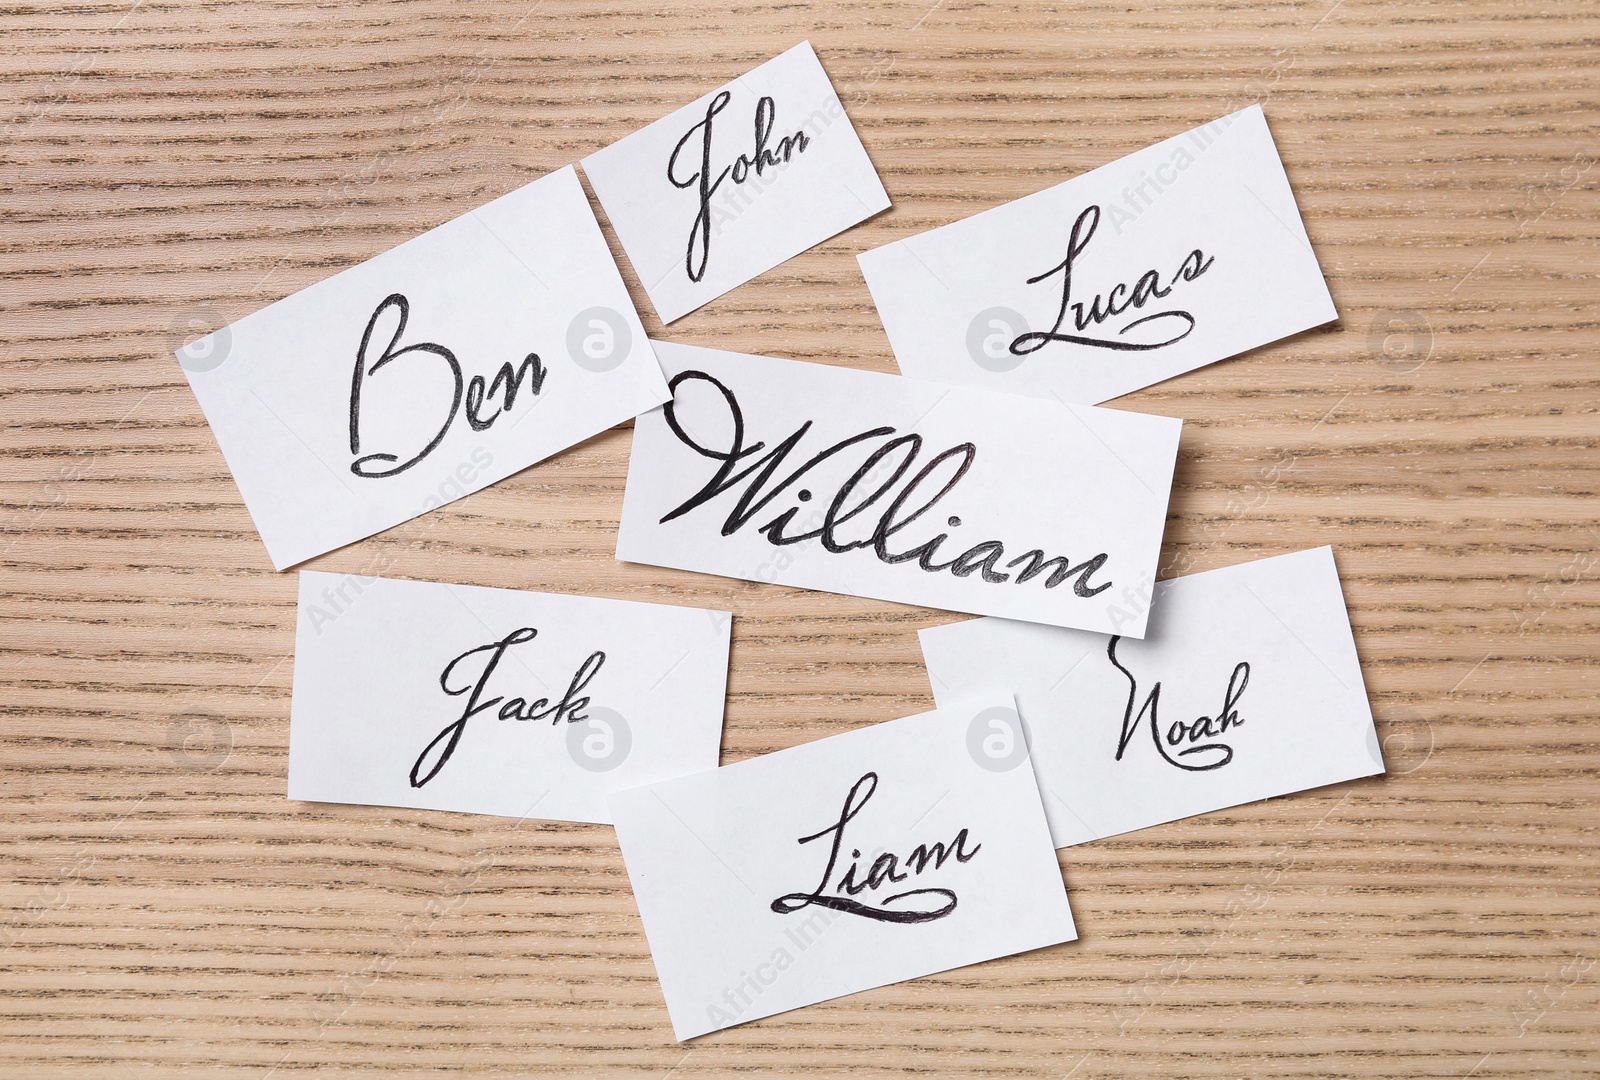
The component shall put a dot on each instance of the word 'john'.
(758, 160)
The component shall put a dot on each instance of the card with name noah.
(497, 701)
(745, 178)
(874, 485)
(1247, 686)
(1182, 254)
(868, 858)
(427, 372)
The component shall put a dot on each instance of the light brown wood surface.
(172, 165)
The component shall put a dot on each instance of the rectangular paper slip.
(884, 854)
(747, 177)
(1247, 686)
(425, 373)
(874, 485)
(1179, 255)
(496, 701)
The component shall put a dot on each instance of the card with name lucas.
(1179, 255)
(868, 858)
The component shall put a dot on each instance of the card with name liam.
(864, 859)
(1247, 687)
(1184, 253)
(740, 181)
(898, 489)
(460, 357)
(497, 701)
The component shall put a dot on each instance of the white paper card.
(428, 372)
(745, 178)
(497, 701)
(884, 854)
(1246, 688)
(899, 489)
(1179, 255)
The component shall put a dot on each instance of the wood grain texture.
(172, 165)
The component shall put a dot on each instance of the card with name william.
(1184, 253)
(740, 181)
(899, 489)
(428, 372)
(497, 701)
(864, 859)
(1247, 687)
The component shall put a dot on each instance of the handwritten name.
(758, 161)
(885, 870)
(1121, 299)
(507, 384)
(857, 495)
(1206, 727)
(569, 708)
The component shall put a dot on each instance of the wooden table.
(173, 166)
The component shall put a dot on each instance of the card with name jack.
(431, 371)
(740, 181)
(898, 489)
(1182, 254)
(497, 701)
(1247, 687)
(863, 859)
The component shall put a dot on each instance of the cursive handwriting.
(570, 707)
(507, 380)
(760, 159)
(1119, 300)
(848, 502)
(1206, 727)
(885, 869)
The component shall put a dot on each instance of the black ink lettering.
(760, 159)
(1205, 727)
(760, 472)
(885, 869)
(570, 707)
(507, 380)
(1119, 300)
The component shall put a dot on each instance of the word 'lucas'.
(1121, 299)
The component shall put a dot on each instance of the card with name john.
(1184, 253)
(497, 701)
(428, 372)
(740, 181)
(875, 485)
(868, 858)
(1246, 687)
